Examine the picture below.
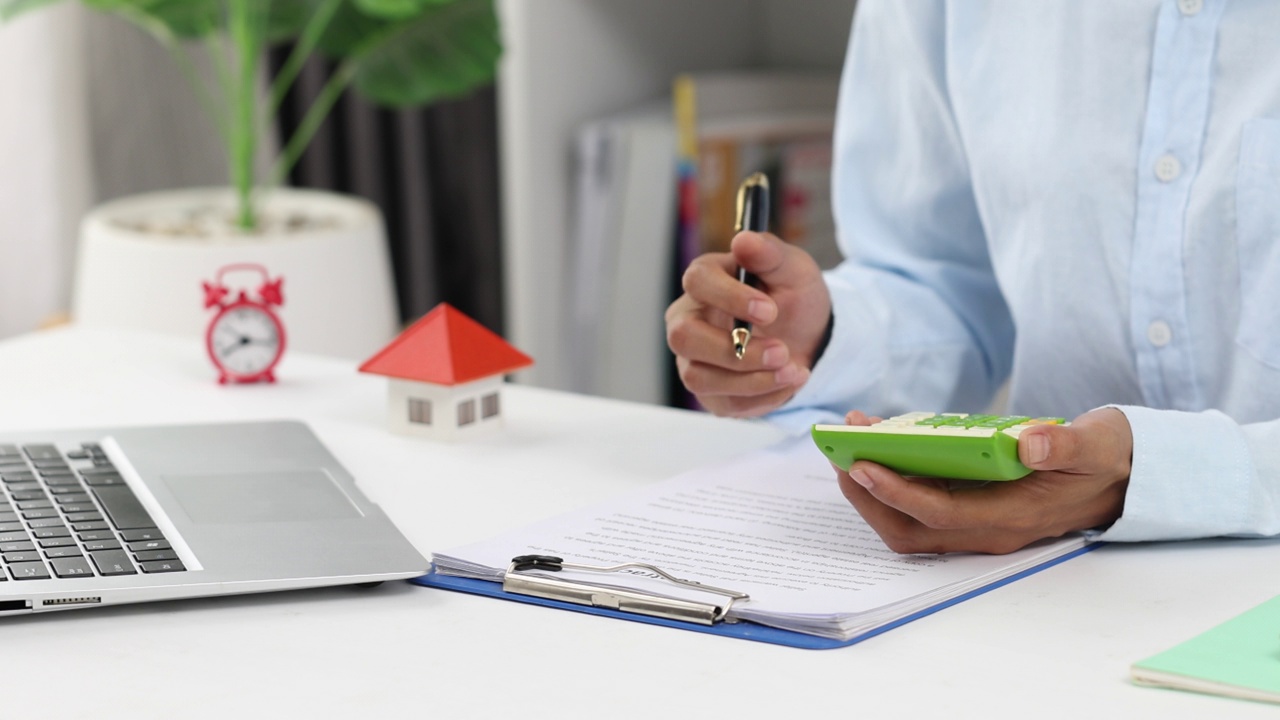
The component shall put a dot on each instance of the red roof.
(446, 347)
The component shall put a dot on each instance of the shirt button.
(1167, 168)
(1159, 333)
(1190, 7)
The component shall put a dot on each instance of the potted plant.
(142, 258)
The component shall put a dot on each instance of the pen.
(753, 215)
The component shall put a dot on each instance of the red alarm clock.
(245, 339)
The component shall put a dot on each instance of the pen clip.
(753, 204)
(518, 580)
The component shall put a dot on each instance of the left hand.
(1080, 474)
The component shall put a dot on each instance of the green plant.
(397, 53)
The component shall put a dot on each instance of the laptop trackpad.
(223, 498)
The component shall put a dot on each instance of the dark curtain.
(434, 173)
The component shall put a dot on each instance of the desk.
(1056, 644)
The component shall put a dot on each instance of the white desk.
(1057, 644)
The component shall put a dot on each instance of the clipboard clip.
(518, 580)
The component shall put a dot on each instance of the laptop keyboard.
(72, 515)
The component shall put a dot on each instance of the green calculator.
(945, 445)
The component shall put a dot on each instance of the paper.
(1239, 658)
(773, 525)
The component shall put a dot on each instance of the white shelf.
(568, 61)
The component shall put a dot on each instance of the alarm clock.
(245, 338)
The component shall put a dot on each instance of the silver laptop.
(122, 515)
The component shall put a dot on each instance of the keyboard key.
(52, 532)
(8, 537)
(57, 542)
(23, 546)
(21, 557)
(71, 508)
(48, 522)
(11, 527)
(8, 517)
(149, 555)
(149, 545)
(82, 517)
(98, 535)
(15, 477)
(51, 463)
(48, 473)
(123, 508)
(6, 450)
(78, 454)
(62, 552)
(34, 504)
(143, 534)
(163, 566)
(72, 567)
(99, 470)
(29, 571)
(63, 484)
(103, 480)
(102, 545)
(95, 525)
(41, 514)
(27, 495)
(41, 452)
(113, 562)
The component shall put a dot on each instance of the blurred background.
(556, 206)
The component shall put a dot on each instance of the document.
(773, 525)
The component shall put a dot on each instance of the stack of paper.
(773, 525)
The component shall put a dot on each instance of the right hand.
(788, 313)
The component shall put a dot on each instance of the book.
(1239, 658)
(772, 525)
(622, 254)
(730, 125)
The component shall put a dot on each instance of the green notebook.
(1239, 658)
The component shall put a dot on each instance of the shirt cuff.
(1191, 477)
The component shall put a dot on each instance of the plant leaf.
(167, 18)
(444, 51)
(396, 9)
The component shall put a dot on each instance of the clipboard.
(667, 610)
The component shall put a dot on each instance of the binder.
(656, 610)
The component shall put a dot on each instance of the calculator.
(945, 445)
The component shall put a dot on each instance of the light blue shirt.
(1081, 198)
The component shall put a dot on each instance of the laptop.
(122, 515)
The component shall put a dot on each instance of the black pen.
(753, 215)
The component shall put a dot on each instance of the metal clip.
(517, 580)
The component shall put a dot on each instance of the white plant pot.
(339, 296)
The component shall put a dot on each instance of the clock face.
(245, 341)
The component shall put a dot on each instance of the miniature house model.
(445, 375)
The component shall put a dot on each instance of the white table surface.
(1056, 644)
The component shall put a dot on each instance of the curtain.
(433, 172)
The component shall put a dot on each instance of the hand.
(1080, 474)
(788, 313)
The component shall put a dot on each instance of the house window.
(488, 406)
(419, 411)
(466, 412)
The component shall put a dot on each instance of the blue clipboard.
(743, 630)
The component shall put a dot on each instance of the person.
(1081, 199)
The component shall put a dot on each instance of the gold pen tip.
(740, 338)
